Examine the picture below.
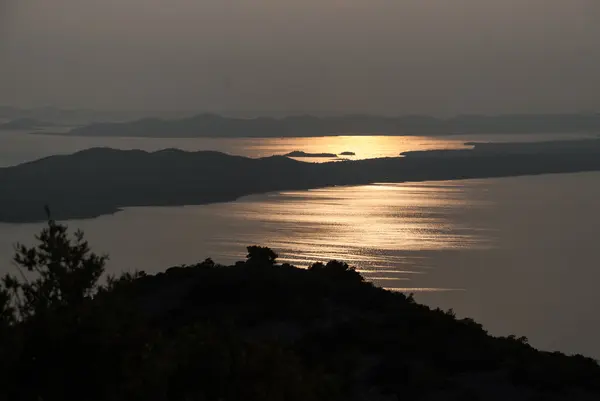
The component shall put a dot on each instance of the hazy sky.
(381, 56)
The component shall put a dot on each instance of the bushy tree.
(58, 271)
(260, 255)
(335, 268)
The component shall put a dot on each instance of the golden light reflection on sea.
(383, 229)
(501, 251)
(18, 147)
(364, 147)
(387, 217)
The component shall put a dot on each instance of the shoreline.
(101, 181)
(119, 209)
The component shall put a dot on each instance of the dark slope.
(100, 181)
(210, 125)
(255, 331)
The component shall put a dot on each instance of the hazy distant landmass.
(211, 125)
(24, 124)
(559, 148)
(101, 180)
(74, 117)
(299, 153)
(57, 115)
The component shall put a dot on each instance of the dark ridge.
(255, 331)
(100, 181)
(377, 343)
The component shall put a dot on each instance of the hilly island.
(100, 181)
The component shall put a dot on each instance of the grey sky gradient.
(378, 56)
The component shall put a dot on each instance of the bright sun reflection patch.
(378, 228)
(363, 147)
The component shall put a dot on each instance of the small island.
(299, 153)
(347, 154)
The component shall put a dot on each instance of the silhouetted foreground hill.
(211, 125)
(100, 181)
(253, 331)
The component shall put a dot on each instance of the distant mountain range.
(56, 115)
(101, 181)
(179, 124)
(211, 125)
(66, 117)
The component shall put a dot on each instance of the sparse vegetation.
(257, 330)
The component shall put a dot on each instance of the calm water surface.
(19, 147)
(519, 255)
